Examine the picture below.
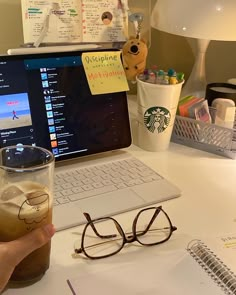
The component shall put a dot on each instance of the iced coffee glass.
(26, 193)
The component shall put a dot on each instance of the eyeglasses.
(151, 226)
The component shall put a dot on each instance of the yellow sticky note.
(105, 72)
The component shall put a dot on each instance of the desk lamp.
(200, 19)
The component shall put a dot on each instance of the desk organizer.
(204, 136)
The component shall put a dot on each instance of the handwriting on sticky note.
(104, 72)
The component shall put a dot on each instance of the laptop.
(87, 134)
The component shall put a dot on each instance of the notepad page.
(79, 21)
(167, 273)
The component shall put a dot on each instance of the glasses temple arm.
(151, 222)
(90, 221)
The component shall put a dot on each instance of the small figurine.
(134, 54)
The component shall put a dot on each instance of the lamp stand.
(196, 83)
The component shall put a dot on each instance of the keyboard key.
(97, 179)
(79, 177)
(63, 200)
(87, 181)
(156, 177)
(117, 180)
(87, 187)
(135, 175)
(107, 182)
(97, 184)
(77, 190)
(77, 183)
(131, 183)
(126, 178)
(67, 192)
(138, 181)
(59, 181)
(57, 195)
(73, 172)
(57, 188)
(115, 174)
(69, 179)
(66, 185)
(89, 174)
(121, 185)
(146, 172)
(106, 176)
(94, 192)
(99, 173)
(147, 179)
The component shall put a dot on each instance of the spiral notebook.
(217, 256)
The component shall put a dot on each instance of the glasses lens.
(152, 227)
(105, 240)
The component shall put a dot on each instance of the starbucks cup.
(157, 106)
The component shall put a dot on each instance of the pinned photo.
(107, 18)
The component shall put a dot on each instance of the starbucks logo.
(157, 119)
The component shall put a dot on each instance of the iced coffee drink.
(26, 184)
(25, 206)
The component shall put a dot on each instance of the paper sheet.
(164, 273)
(65, 21)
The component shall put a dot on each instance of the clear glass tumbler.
(26, 195)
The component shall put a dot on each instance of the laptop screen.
(45, 100)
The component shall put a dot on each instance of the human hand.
(11, 253)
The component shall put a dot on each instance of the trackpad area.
(110, 203)
(157, 191)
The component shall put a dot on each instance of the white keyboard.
(81, 183)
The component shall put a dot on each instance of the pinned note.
(105, 72)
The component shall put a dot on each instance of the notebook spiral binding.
(214, 267)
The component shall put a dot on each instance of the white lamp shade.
(203, 19)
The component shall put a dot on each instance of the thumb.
(30, 242)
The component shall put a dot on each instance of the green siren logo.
(157, 119)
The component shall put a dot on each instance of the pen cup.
(157, 106)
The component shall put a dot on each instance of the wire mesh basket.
(205, 136)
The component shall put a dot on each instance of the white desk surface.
(206, 206)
